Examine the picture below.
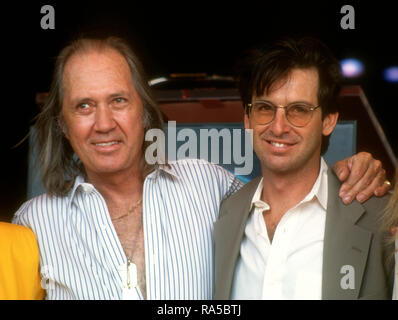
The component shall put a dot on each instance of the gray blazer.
(352, 237)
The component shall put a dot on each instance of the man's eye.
(263, 107)
(120, 100)
(83, 106)
(299, 109)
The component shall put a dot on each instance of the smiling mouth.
(106, 144)
(279, 144)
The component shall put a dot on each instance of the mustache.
(286, 137)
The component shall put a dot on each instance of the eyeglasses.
(298, 114)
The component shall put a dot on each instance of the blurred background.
(181, 37)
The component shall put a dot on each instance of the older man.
(287, 235)
(110, 225)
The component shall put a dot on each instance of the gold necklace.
(135, 206)
(131, 268)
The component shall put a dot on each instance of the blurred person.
(19, 264)
(390, 224)
(287, 234)
(111, 226)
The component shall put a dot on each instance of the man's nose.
(280, 124)
(104, 120)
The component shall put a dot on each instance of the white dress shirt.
(291, 266)
(80, 253)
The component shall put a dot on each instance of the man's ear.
(329, 123)
(62, 125)
(246, 121)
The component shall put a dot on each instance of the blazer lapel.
(346, 246)
(228, 236)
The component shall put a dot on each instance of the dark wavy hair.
(262, 66)
(58, 163)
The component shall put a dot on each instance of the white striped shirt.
(80, 252)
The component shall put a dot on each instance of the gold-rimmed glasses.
(298, 114)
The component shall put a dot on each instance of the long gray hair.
(58, 164)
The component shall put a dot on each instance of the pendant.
(131, 280)
(131, 290)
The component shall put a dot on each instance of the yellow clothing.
(19, 264)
